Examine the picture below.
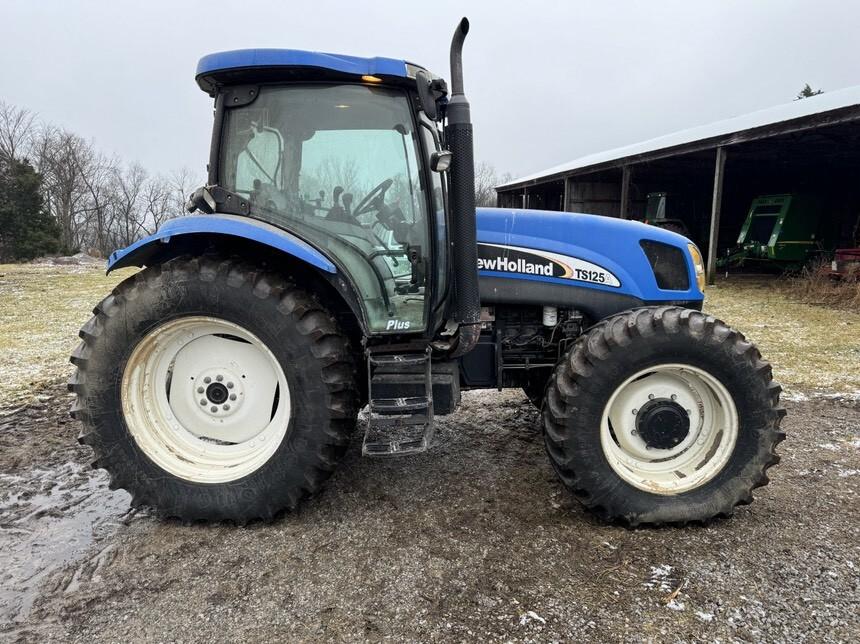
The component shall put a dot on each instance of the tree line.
(60, 194)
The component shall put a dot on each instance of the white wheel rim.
(701, 455)
(183, 363)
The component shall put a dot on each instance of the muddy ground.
(474, 540)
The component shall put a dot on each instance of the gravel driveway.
(475, 540)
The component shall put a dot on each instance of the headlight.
(699, 265)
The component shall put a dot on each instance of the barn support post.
(719, 172)
(625, 192)
(566, 197)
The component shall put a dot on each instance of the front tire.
(213, 390)
(662, 415)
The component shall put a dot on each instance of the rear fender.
(233, 226)
(251, 238)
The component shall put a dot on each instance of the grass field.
(812, 348)
(41, 309)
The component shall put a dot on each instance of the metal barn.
(809, 146)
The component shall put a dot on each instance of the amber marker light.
(699, 265)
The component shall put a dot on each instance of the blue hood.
(606, 252)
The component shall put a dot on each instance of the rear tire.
(611, 447)
(222, 321)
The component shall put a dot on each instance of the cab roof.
(262, 65)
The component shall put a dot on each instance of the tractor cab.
(341, 153)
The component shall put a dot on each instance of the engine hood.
(581, 250)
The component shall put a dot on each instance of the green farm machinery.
(780, 231)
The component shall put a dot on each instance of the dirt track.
(474, 540)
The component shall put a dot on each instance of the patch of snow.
(830, 446)
(853, 396)
(703, 616)
(846, 473)
(531, 616)
(78, 259)
(674, 604)
(799, 396)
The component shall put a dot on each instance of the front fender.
(230, 225)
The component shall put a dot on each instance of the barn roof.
(825, 109)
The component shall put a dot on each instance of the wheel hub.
(218, 391)
(662, 423)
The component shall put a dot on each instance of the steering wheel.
(373, 197)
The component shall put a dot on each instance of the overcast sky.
(548, 81)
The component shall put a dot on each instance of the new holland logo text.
(530, 261)
(518, 265)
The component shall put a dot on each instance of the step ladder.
(398, 426)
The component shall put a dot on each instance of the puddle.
(49, 518)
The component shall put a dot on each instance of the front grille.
(669, 264)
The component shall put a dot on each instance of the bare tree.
(97, 174)
(332, 172)
(17, 127)
(486, 180)
(159, 203)
(57, 154)
(127, 219)
(181, 184)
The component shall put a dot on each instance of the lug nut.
(674, 397)
(200, 390)
(213, 408)
(689, 412)
(650, 396)
(203, 401)
(634, 432)
(207, 380)
(229, 385)
(226, 408)
(635, 411)
(232, 396)
(219, 378)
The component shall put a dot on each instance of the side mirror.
(202, 200)
(440, 161)
(426, 97)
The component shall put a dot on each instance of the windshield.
(339, 166)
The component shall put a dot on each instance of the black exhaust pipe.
(458, 135)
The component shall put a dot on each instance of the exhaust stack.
(458, 135)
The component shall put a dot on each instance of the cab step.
(399, 405)
(398, 425)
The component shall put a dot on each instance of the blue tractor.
(337, 261)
